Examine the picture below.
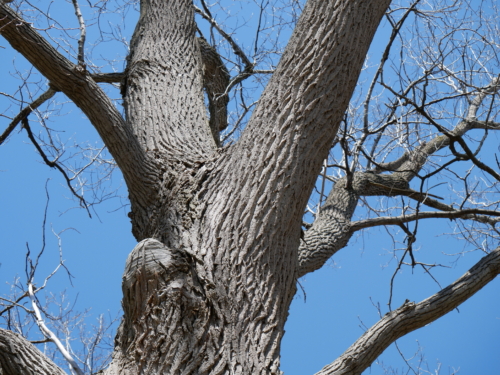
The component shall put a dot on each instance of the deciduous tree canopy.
(234, 193)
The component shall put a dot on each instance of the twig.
(53, 164)
(236, 48)
(472, 214)
(26, 111)
(83, 33)
(50, 335)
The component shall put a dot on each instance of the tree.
(220, 241)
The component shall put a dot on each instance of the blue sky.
(339, 299)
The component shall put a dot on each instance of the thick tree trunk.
(208, 287)
(207, 290)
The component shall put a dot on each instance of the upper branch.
(76, 83)
(163, 89)
(297, 117)
(26, 111)
(411, 316)
(332, 230)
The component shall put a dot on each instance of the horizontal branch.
(473, 214)
(108, 77)
(411, 316)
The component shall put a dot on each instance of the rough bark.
(332, 229)
(208, 288)
(231, 216)
(216, 81)
(77, 84)
(411, 316)
(19, 357)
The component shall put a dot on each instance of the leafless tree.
(218, 188)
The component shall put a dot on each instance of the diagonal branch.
(18, 357)
(25, 112)
(411, 316)
(236, 48)
(332, 230)
(50, 335)
(249, 66)
(53, 164)
(76, 83)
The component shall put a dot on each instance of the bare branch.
(75, 82)
(50, 335)
(108, 77)
(53, 164)
(83, 33)
(26, 111)
(472, 214)
(236, 48)
(411, 316)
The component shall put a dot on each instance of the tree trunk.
(208, 288)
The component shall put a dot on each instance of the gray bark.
(208, 287)
(411, 316)
(332, 229)
(19, 357)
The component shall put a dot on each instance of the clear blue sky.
(339, 296)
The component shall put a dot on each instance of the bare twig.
(26, 111)
(53, 164)
(50, 335)
(411, 316)
(236, 48)
(83, 33)
(482, 216)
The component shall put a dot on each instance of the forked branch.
(26, 111)
(76, 83)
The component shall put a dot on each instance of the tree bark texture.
(208, 287)
(227, 222)
(411, 316)
(19, 357)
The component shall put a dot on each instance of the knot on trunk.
(162, 302)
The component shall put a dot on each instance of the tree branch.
(83, 34)
(333, 231)
(53, 164)
(236, 48)
(50, 335)
(482, 216)
(20, 357)
(108, 77)
(411, 316)
(298, 115)
(76, 83)
(26, 111)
